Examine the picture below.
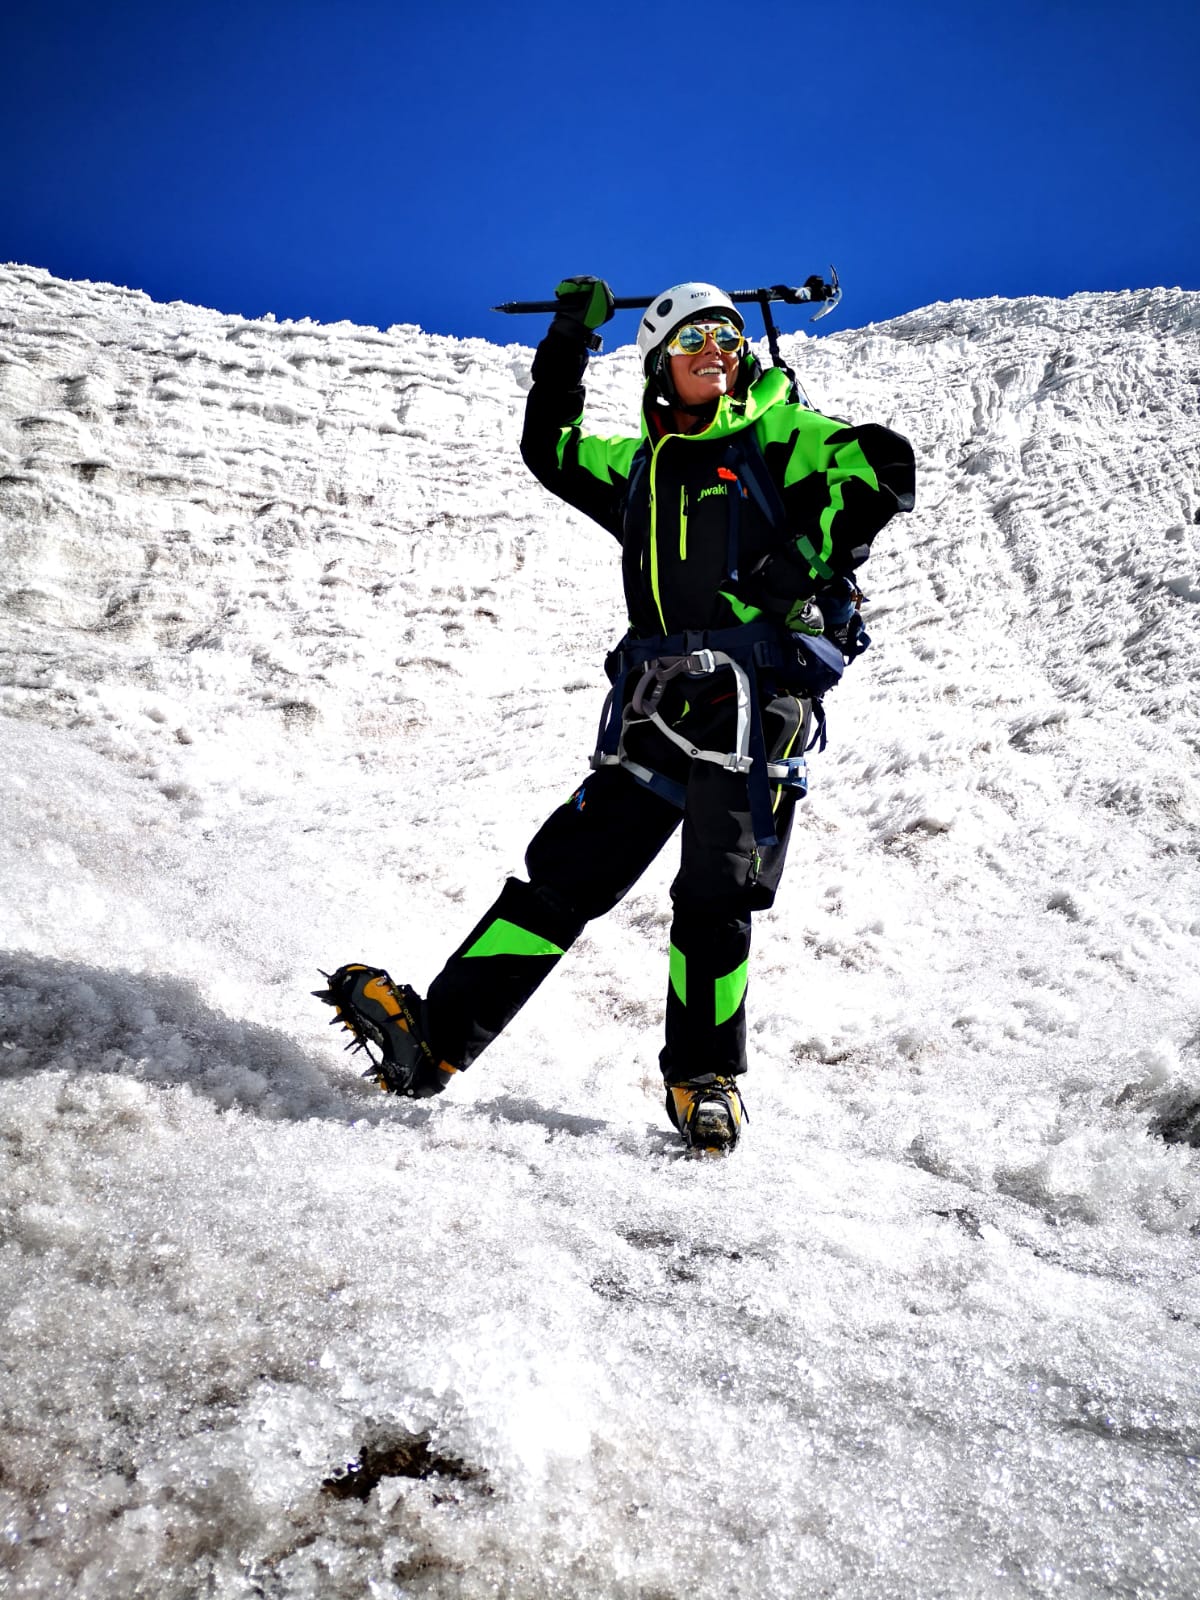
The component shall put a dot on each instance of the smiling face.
(704, 377)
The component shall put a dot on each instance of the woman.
(742, 517)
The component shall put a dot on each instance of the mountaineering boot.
(707, 1111)
(380, 1014)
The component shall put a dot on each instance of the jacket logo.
(714, 488)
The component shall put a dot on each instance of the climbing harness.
(806, 667)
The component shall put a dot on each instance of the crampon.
(385, 1021)
(708, 1112)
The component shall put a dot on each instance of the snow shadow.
(66, 1016)
(512, 1108)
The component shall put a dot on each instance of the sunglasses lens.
(690, 340)
(728, 339)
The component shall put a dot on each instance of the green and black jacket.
(667, 496)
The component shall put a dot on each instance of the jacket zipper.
(654, 532)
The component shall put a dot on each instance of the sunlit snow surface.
(295, 657)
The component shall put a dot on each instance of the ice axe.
(814, 288)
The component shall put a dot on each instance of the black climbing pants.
(591, 851)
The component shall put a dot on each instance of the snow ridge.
(294, 657)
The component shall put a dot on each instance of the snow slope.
(295, 657)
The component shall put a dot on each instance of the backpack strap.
(763, 490)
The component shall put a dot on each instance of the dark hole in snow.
(966, 1219)
(405, 1456)
(1179, 1121)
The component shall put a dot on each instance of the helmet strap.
(660, 372)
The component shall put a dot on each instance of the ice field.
(294, 657)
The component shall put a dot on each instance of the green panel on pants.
(728, 992)
(503, 938)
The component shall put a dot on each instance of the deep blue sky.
(387, 162)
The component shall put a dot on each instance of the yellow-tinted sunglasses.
(693, 336)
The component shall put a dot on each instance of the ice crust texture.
(295, 654)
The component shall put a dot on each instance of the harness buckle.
(791, 774)
(701, 662)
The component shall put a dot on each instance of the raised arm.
(588, 472)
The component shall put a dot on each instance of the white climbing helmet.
(680, 304)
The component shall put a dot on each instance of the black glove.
(584, 304)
